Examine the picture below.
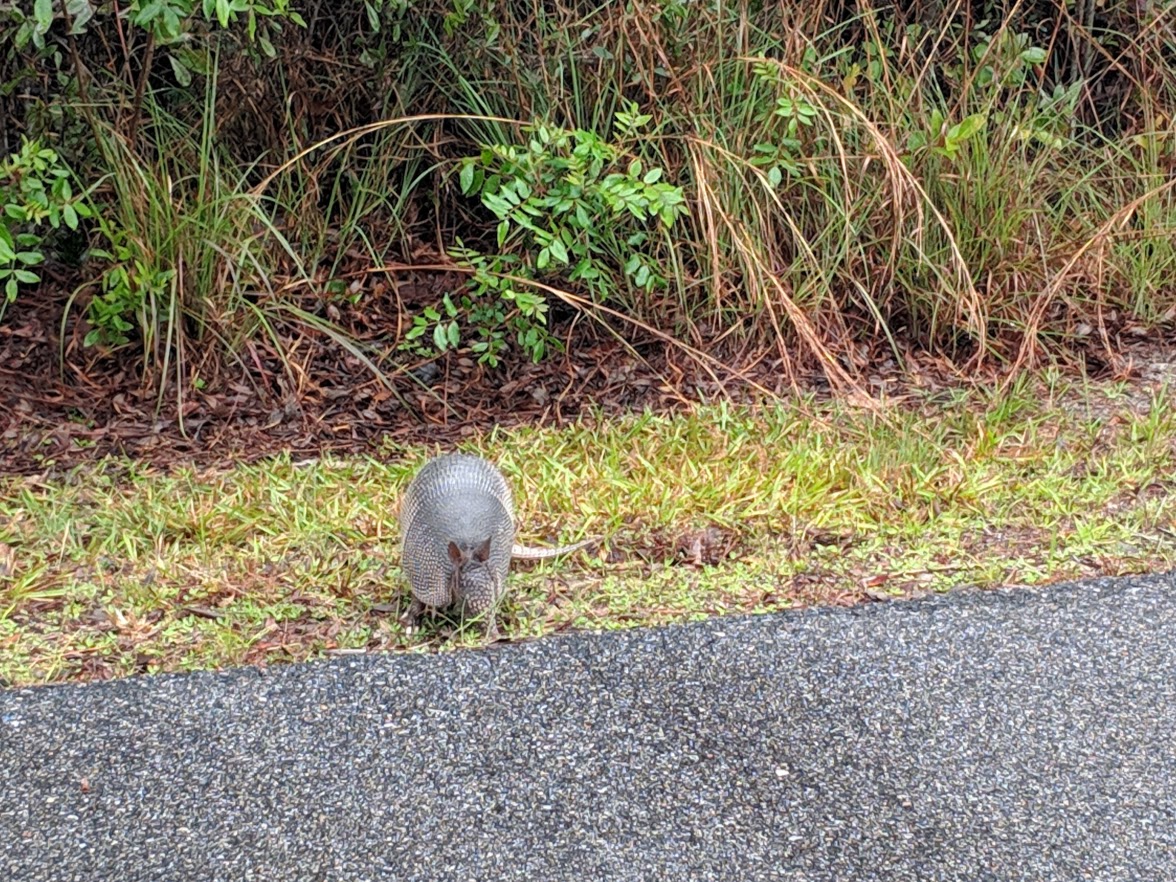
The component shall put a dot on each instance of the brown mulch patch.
(319, 397)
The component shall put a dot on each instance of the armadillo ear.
(455, 554)
(482, 553)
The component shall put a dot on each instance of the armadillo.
(457, 527)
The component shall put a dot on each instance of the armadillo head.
(474, 582)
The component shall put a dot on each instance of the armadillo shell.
(461, 499)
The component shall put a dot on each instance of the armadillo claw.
(411, 619)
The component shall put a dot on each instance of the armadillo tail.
(531, 552)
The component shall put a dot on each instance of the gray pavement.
(1027, 735)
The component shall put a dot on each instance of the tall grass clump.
(184, 247)
(987, 181)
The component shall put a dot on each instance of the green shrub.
(570, 207)
(35, 194)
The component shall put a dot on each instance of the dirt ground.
(318, 397)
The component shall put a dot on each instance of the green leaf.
(454, 335)
(543, 259)
(670, 213)
(966, 127)
(27, 277)
(171, 23)
(182, 74)
(1034, 55)
(466, 178)
(43, 13)
(775, 176)
(558, 251)
(439, 338)
(496, 204)
(23, 34)
(81, 11)
(10, 289)
(373, 16)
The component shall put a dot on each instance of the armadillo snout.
(475, 585)
(478, 589)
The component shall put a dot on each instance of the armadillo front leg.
(411, 618)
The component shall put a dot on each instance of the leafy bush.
(569, 205)
(35, 193)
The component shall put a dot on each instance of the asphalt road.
(1026, 735)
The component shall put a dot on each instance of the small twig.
(140, 88)
(79, 70)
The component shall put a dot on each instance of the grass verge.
(115, 569)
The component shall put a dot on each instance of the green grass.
(115, 569)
